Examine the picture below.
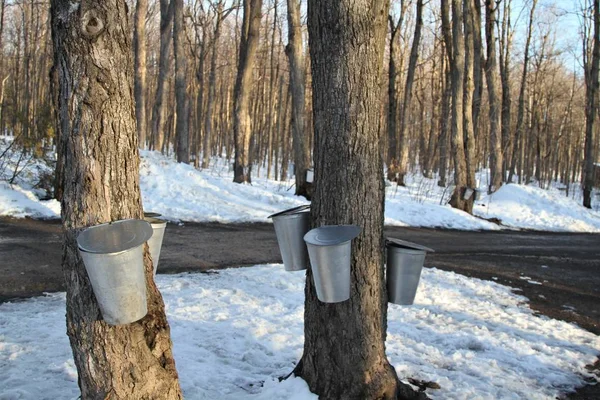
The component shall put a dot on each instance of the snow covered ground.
(181, 192)
(237, 331)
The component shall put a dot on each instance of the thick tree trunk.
(158, 111)
(242, 122)
(182, 133)
(295, 55)
(139, 89)
(491, 73)
(505, 47)
(591, 109)
(468, 95)
(344, 351)
(96, 119)
(410, 77)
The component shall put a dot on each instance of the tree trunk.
(469, 92)
(295, 55)
(410, 77)
(181, 124)
(505, 47)
(518, 147)
(96, 120)
(591, 109)
(491, 74)
(344, 350)
(139, 89)
(242, 122)
(158, 111)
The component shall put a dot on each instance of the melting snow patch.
(236, 332)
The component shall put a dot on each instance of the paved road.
(567, 265)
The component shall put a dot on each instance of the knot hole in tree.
(91, 24)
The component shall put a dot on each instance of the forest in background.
(467, 85)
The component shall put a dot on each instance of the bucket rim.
(155, 221)
(294, 210)
(332, 235)
(405, 244)
(151, 214)
(136, 231)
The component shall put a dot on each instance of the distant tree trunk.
(468, 96)
(477, 67)
(491, 73)
(3, 76)
(410, 77)
(139, 89)
(242, 122)
(447, 102)
(212, 83)
(505, 56)
(591, 109)
(392, 114)
(158, 111)
(96, 120)
(182, 134)
(295, 55)
(344, 349)
(519, 148)
(457, 66)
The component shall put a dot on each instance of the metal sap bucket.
(477, 194)
(113, 258)
(468, 193)
(290, 227)
(329, 248)
(155, 242)
(403, 270)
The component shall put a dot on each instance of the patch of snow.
(235, 332)
(19, 203)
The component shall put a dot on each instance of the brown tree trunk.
(181, 124)
(96, 119)
(344, 350)
(158, 110)
(591, 109)
(505, 47)
(139, 88)
(491, 74)
(518, 147)
(410, 77)
(295, 55)
(242, 122)
(468, 95)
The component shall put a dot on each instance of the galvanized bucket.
(329, 249)
(155, 242)
(477, 194)
(403, 273)
(290, 227)
(151, 214)
(113, 258)
(468, 193)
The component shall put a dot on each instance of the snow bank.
(530, 207)
(181, 192)
(237, 331)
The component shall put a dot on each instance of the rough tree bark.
(158, 112)
(242, 123)
(405, 106)
(96, 120)
(139, 88)
(295, 52)
(591, 109)
(505, 57)
(344, 350)
(491, 74)
(182, 134)
(468, 95)
(455, 41)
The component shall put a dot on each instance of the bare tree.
(139, 88)
(181, 125)
(344, 348)
(294, 51)
(242, 122)
(591, 109)
(98, 143)
(491, 75)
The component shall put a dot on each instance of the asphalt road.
(566, 265)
